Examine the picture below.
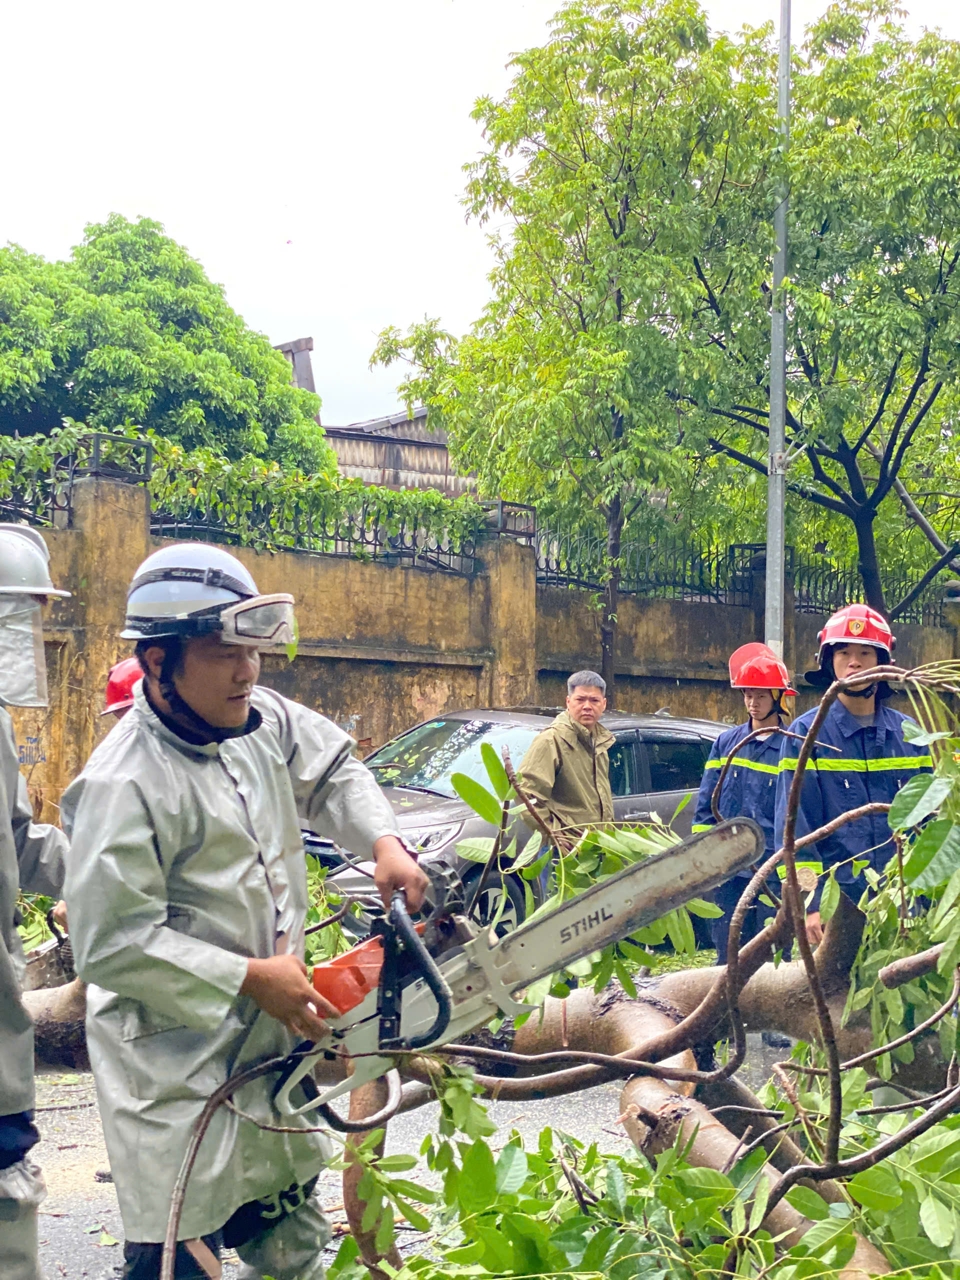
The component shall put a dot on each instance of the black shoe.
(774, 1040)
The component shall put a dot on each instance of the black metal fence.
(824, 588)
(360, 534)
(660, 567)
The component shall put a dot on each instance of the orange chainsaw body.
(347, 980)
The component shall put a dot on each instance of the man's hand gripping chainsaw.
(394, 995)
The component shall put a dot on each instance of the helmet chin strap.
(867, 691)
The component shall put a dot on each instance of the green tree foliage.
(251, 501)
(630, 179)
(131, 330)
(602, 161)
(874, 172)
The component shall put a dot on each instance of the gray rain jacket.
(31, 858)
(186, 861)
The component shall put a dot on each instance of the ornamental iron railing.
(361, 534)
(38, 490)
(666, 568)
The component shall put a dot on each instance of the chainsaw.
(415, 987)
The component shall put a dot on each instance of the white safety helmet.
(25, 563)
(193, 589)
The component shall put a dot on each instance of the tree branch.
(924, 582)
(881, 407)
(917, 516)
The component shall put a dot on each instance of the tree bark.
(869, 564)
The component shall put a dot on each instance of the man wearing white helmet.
(187, 900)
(31, 858)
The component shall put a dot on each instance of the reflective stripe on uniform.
(719, 761)
(883, 765)
(814, 866)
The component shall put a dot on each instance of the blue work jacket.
(872, 764)
(750, 787)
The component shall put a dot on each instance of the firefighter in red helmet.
(750, 786)
(120, 684)
(870, 758)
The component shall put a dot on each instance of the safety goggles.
(264, 622)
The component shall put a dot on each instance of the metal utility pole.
(776, 463)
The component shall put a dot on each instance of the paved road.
(80, 1222)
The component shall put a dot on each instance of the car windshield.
(426, 757)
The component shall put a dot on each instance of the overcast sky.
(309, 155)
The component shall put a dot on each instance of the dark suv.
(655, 762)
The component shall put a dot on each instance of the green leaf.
(511, 1169)
(477, 848)
(680, 931)
(530, 851)
(823, 1236)
(920, 797)
(495, 771)
(706, 910)
(807, 1202)
(384, 1236)
(478, 1178)
(877, 1188)
(935, 855)
(829, 898)
(616, 1189)
(371, 1210)
(681, 806)
(478, 798)
(396, 1164)
(413, 1215)
(937, 1220)
(705, 1182)
(759, 1207)
(920, 737)
(349, 1250)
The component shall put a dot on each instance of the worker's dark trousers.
(758, 914)
(142, 1261)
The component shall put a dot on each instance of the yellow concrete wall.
(383, 648)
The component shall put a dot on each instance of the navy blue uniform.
(873, 762)
(749, 791)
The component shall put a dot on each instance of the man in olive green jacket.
(567, 768)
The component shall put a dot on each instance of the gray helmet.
(25, 563)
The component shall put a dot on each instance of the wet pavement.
(80, 1229)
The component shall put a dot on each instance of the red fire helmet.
(857, 624)
(120, 684)
(754, 666)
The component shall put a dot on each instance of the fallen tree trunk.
(59, 1015)
(656, 1116)
(655, 1111)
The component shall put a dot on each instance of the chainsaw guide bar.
(441, 999)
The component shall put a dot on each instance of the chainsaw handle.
(426, 967)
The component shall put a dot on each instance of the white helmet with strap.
(194, 589)
(25, 563)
